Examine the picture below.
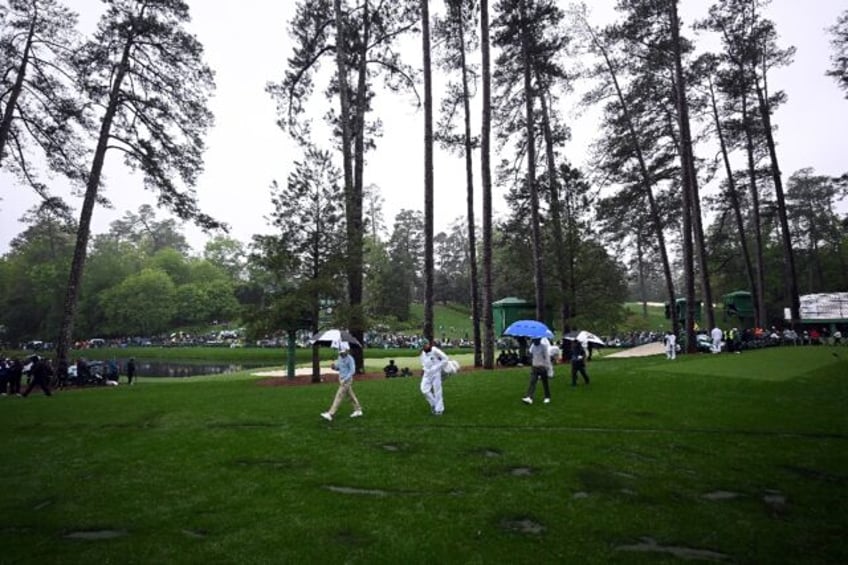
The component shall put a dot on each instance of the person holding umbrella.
(346, 368)
(578, 362)
(541, 368)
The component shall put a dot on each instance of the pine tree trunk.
(428, 172)
(786, 235)
(734, 198)
(69, 310)
(647, 182)
(535, 224)
(347, 162)
(690, 179)
(469, 180)
(761, 315)
(556, 220)
(9, 112)
(686, 171)
(486, 179)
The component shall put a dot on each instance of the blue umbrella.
(528, 328)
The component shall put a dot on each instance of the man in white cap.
(346, 367)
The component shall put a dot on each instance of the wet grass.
(624, 470)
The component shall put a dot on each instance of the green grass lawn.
(741, 458)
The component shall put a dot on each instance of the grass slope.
(738, 458)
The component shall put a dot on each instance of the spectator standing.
(540, 368)
(433, 361)
(670, 345)
(578, 362)
(16, 371)
(62, 373)
(716, 334)
(346, 367)
(130, 370)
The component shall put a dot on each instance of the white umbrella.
(334, 338)
(585, 337)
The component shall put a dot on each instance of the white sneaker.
(356, 414)
(327, 416)
(547, 401)
(527, 400)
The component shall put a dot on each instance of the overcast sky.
(247, 45)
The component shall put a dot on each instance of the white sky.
(247, 45)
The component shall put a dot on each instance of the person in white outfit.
(433, 361)
(716, 334)
(670, 345)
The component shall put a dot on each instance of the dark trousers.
(14, 384)
(537, 373)
(578, 367)
(43, 382)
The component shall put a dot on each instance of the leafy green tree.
(143, 304)
(453, 267)
(147, 233)
(147, 74)
(307, 250)
(31, 274)
(190, 305)
(109, 263)
(228, 254)
(811, 203)
(173, 263)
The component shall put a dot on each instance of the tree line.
(139, 87)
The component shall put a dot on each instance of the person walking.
(433, 361)
(346, 367)
(41, 372)
(130, 370)
(578, 362)
(540, 368)
(670, 345)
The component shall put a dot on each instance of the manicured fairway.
(737, 458)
